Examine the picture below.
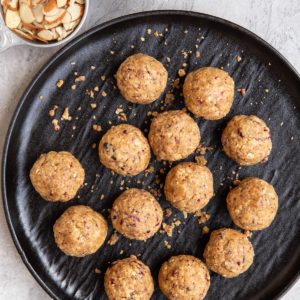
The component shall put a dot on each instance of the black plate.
(273, 93)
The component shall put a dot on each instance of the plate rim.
(56, 56)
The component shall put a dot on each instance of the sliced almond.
(13, 4)
(55, 34)
(12, 19)
(67, 18)
(38, 25)
(29, 26)
(61, 3)
(50, 5)
(60, 14)
(24, 34)
(45, 35)
(38, 13)
(26, 13)
(59, 30)
(75, 11)
(51, 26)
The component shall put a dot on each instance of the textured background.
(276, 21)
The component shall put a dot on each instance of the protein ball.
(128, 279)
(184, 277)
(209, 93)
(125, 150)
(253, 204)
(173, 135)
(228, 252)
(247, 140)
(80, 231)
(57, 176)
(189, 186)
(136, 214)
(141, 79)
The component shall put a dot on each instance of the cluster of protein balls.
(173, 135)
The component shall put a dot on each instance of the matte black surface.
(273, 93)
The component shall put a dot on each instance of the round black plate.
(273, 93)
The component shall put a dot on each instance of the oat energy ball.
(253, 204)
(184, 277)
(141, 79)
(125, 150)
(128, 279)
(136, 214)
(189, 186)
(57, 176)
(80, 231)
(209, 93)
(228, 252)
(247, 140)
(173, 135)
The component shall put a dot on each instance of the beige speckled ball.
(141, 78)
(57, 176)
(128, 279)
(184, 277)
(189, 186)
(247, 140)
(125, 150)
(80, 231)
(209, 93)
(253, 204)
(173, 135)
(228, 252)
(136, 214)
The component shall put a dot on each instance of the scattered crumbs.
(269, 64)
(94, 145)
(203, 149)
(198, 54)
(41, 97)
(59, 83)
(66, 116)
(185, 214)
(168, 229)
(121, 252)
(102, 197)
(167, 245)
(149, 170)
(186, 31)
(132, 46)
(73, 62)
(113, 239)
(55, 124)
(104, 94)
(149, 31)
(120, 113)
(80, 78)
(176, 83)
(267, 90)
(52, 111)
(248, 233)
(238, 58)
(90, 93)
(75, 73)
(161, 171)
(236, 182)
(96, 88)
(203, 216)
(168, 213)
(97, 271)
(181, 72)
(155, 192)
(73, 87)
(242, 91)
(169, 98)
(73, 127)
(200, 160)
(93, 67)
(168, 59)
(112, 52)
(93, 105)
(79, 108)
(205, 230)
(292, 138)
(281, 124)
(184, 53)
(103, 77)
(97, 127)
(142, 39)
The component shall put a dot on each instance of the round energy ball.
(228, 252)
(141, 78)
(253, 204)
(80, 231)
(247, 140)
(125, 150)
(189, 186)
(136, 214)
(173, 135)
(184, 277)
(209, 93)
(128, 279)
(57, 176)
